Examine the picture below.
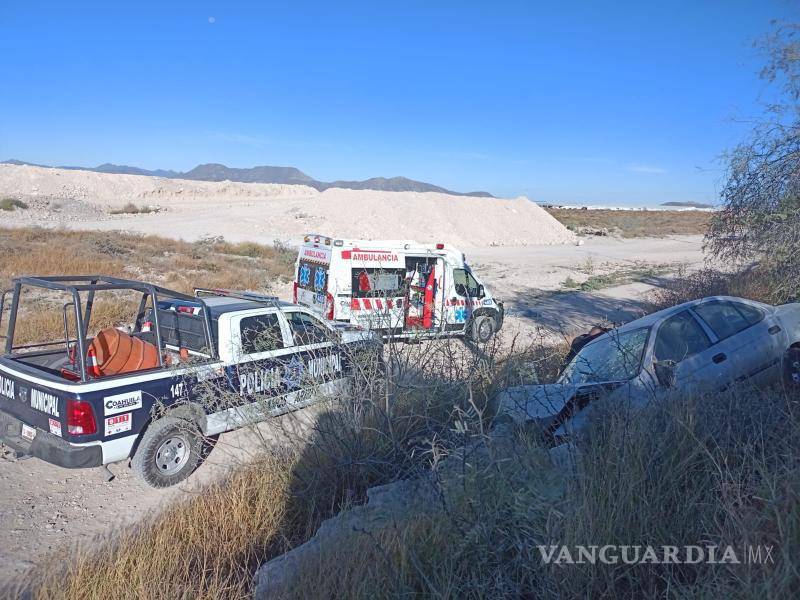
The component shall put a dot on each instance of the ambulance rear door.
(311, 279)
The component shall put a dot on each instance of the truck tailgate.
(34, 405)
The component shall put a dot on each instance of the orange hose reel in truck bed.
(113, 352)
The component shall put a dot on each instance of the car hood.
(535, 402)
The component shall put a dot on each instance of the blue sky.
(585, 102)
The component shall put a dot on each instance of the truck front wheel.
(483, 328)
(170, 450)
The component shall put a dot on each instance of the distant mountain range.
(267, 174)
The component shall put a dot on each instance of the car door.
(265, 347)
(700, 364)
(464, 297)
(318, 361)
(750, 335)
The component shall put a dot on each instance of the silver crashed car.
(701, 346)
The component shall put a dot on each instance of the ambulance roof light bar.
(440, 246)
(316, 238)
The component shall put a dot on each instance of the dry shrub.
(699, 471)
(752, 283)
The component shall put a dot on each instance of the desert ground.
(553, 284)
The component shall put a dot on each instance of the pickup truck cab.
(188, 369)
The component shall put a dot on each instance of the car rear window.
(727, 318)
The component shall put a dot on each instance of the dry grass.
(201, 548)
(178, 265)
(703, 471)
(209, 546)
(635, 223)
(753, 283)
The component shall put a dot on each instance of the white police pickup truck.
(188, 369)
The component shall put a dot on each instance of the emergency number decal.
(55, 427)
(122, 402)
(118, 424)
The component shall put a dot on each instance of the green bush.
(12, 204)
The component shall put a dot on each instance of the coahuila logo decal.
(122, 402)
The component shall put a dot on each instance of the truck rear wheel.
(170, 450)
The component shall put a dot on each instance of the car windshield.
(614, 357)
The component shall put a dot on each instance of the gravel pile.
(238, 211)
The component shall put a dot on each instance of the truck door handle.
(774, 329)
(721, 357)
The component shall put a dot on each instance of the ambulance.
(399, 288)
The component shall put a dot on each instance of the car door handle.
(774, 329)
(721, 357)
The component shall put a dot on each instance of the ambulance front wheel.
(483, 328)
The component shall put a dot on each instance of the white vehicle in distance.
(399, 288)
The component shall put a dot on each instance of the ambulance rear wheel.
(483, 328)
(169, 451)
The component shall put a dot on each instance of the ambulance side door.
(463, 293)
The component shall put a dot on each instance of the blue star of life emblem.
(319, 279)
(305, 274)
(461, 314)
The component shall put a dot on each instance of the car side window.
(680, 337)
(307, 329)
(728, 318)
(465, 283)
(260, 333)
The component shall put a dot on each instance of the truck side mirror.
(481, 291)
(666, 372)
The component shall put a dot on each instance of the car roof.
(656, 317)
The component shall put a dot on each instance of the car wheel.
(483, 328)
(791, 370)
(170, 450)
